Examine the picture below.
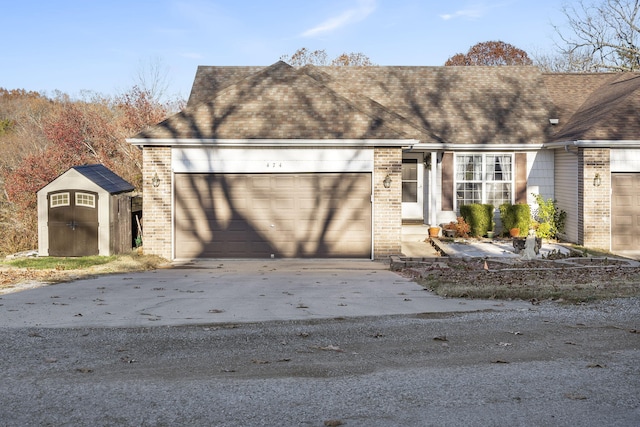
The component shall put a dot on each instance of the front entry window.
(409, 180)
(484, 178)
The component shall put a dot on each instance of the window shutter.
(521, 178)
(447, 181)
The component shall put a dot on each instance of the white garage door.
(314, 215)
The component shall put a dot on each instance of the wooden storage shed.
(85, 211)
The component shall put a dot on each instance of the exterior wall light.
(597, 181)
(155, 181)
(387, 181)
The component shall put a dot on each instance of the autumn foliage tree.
(74, 133)
(492, 53)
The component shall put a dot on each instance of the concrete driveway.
(224, 291)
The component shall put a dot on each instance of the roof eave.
(178, 142)
(476, 147)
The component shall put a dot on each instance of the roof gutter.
(476, 147)
(359, 143)
(593, 143)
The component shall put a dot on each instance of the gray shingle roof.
(104, 178)
(460, 105)
(596, 106)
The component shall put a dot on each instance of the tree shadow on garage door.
(260, 215)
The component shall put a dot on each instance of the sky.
(80, 46)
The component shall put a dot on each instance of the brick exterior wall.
(387, 208)
(156, 201)
(594, 207)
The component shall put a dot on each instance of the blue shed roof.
(104, 178)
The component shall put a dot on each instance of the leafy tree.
(304, 56)
(491, 53)
(608, 33)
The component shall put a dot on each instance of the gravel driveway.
(540, 365)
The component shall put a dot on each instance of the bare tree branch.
(607, 32)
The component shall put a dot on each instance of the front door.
(73, 223)
(412, 186)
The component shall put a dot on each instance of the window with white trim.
(484, 178)
(86, 200)
(59, 199)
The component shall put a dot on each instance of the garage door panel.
(287, 215)
(625, 215)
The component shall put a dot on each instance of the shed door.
(73, 223)
(625, 211)
(312, 215)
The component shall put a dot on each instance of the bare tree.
(152, 77)
(304, 56)
(567, 62)
(608, 33)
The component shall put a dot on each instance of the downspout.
(566, 148)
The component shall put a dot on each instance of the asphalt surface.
(308, 343)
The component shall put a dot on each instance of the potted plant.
(449, 230)
(458, 228)
(490, 232)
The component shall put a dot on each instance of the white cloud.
(472, 12)
(350, 16)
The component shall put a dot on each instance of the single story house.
(330, 161)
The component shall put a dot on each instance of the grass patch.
(57, 270)
(57, 263)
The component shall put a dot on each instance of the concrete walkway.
(416, 244)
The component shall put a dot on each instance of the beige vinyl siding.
(566, 191)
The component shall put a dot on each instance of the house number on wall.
(274, 164)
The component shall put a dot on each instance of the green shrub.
(516, 216)
(551, 220)
(490, 210)
(478, 217)
(506, 216)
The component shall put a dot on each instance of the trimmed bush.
(490, 210)
(478, 217)
(516, 216)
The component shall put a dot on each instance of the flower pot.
(449, 233)
(434, 231)
(490, 234)
(514, 232)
